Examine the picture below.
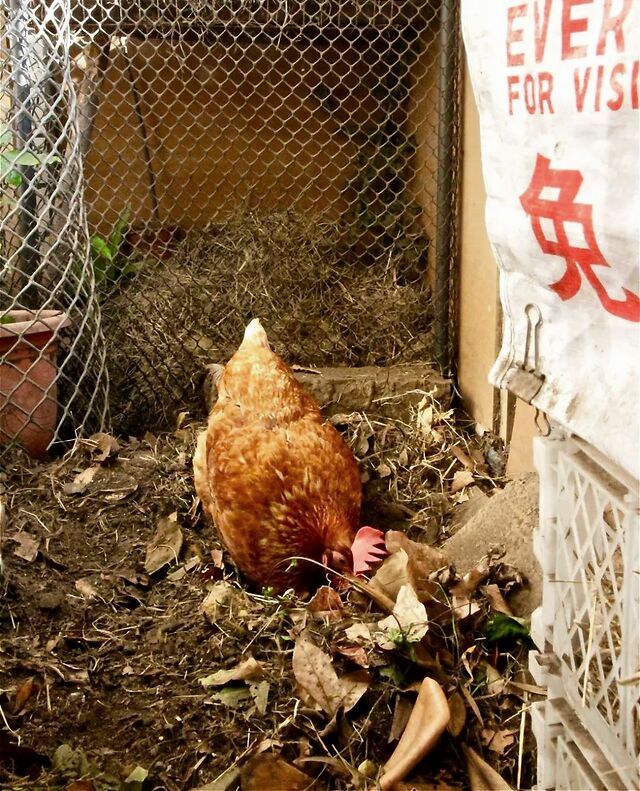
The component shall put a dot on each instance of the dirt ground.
(109, 662)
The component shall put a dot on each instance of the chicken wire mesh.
(52, 375)
(172, 169)
(288, 160)
(587, 629)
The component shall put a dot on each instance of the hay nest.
(320, 301)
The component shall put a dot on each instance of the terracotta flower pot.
(28, 386)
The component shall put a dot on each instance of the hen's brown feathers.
(276, 478)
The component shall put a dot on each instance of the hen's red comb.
(367, 549)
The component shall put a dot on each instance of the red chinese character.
(561, 210)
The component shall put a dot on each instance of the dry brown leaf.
(482, 777)
(392, 575)
(228, 779)
(423, 561)
(260, 694)
(423, 557)
(193, 563)
(72, 676)
(429, 718)
(462, 607)
(498, 741)
(424, 416)
(249, 670)
(81, 785)
(496, 599)
(506, 577)
(425, 787)
(306, 699)
(462, 457)
(409, 617)
(356, 654)
(177, 575)
(486, 734)
(316, 675)
(353, 686)
(495, 681)
(468, 585)
(401, 713)
(25, 691)
(520, 688)
(86, 588)
(164, 548)
(384, 470)
(472, 704)
(384, 602)
(105, 447)
(326, 603)
(458, 712)
(358, 633)
(268, 772)
(299, 617)
(217, 598)
(81, 482)
(111, 484)
(339, 767)
(28, 546)
(461, 478)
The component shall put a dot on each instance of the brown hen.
(277, 479)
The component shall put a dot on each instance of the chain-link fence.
(52, 356)
(290, 160)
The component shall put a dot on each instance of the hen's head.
(340, 560)
(367, 549)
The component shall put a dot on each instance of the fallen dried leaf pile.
(132, 656)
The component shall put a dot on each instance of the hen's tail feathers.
(368, 548)
(254, 335)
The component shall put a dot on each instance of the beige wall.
(263, 126)
(423, 125)
(479, 313)
(479, 309)
(259, 122)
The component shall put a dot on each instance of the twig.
(521, 740)
(592, 618)
(3, 516)
(8, 727)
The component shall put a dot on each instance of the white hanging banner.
(557, 84)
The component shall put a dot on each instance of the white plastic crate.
(587, 629)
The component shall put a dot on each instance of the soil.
(101, 663)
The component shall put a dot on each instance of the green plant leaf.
(13, 178)
(130, 268)
(7, 320)
(116, 237)
(100, 247)
(506, 627)
(12, 158)
(394, 674)
(135, 780)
